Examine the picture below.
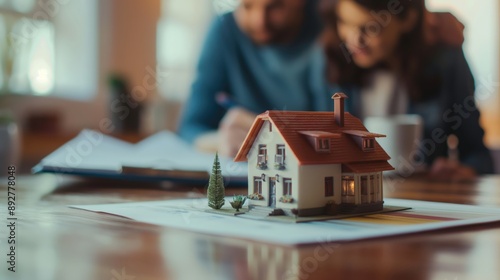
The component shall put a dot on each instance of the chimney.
(338, 107)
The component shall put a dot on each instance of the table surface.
(56, 242)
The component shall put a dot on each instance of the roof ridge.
(288, 124)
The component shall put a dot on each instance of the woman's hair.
(412, 50)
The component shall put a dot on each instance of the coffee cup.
(403, 136)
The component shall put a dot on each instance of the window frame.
(348, 194)
(287, 186)
(329, 186)
(61, 56)
(368, 144)
(323, 145)
(280, 151)
(364, 188)
(262, 153)
(257, 185)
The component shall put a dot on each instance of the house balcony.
(279, 162)
(261, 162)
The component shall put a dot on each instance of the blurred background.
(66, 65)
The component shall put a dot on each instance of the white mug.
(403, 136)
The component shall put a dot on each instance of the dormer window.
(321, 141)
(364, 139)
(368, 144)
(323, 145)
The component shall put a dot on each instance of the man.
(263, 57)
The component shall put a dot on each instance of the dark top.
(451, 109)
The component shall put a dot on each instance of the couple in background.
(389, 56)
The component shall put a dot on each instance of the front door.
(348, 190)
(272, 192)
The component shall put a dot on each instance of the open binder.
(160, 157)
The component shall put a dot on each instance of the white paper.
(91, 150)
(190, 214)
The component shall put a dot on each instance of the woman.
(380, 56)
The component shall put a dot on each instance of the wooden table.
(56, 242)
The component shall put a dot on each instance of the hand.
(233, 129)
(443, 28)
(444, 169)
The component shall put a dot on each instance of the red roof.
(366, 167)
(321, 134)
(344, 150)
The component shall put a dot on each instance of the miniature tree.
(216, 186)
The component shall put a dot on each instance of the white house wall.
(312, 185)
(272, 139)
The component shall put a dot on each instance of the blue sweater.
(292, 77)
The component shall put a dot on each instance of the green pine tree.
(216, 186)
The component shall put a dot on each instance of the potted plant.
(255, 196)
(286, 199)
(279, 166)
(238, 201)
(262, 165)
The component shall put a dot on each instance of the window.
(348, 189)
(42, 41)
(378, 183)
(368, 144)
(27, 62)
(372, 188)
(262, 157)
(364, 189)
(257, 185)
(270, 126)
(287, 186)
(280, 154)
(323, 145)
(376, 187)
(180, 35)
(372, 184)
(328, 186)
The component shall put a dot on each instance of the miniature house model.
(314, 163)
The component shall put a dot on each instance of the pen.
(224, 100)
